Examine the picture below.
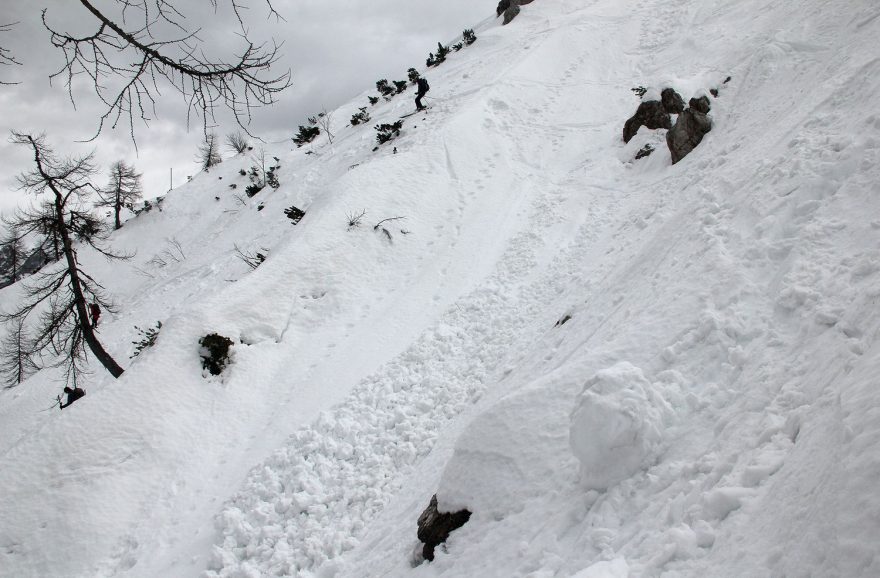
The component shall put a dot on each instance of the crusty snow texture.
(710, 407)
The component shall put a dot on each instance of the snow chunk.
(616, 426)
(508, 454)
(720, 502)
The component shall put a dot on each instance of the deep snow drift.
(709, 409)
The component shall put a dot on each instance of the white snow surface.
(711, 407)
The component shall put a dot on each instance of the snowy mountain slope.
(723, 315)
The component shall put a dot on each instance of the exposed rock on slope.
(690, 128)
(654, 114)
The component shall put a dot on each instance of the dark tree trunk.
(79, 299)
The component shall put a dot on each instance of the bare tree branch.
(6, 57)
(141, 61)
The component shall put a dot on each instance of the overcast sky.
(333, 48)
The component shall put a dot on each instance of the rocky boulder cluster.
(691, 125)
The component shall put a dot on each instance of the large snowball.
(616, 426)
(509, 453)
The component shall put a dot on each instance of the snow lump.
(616, 425)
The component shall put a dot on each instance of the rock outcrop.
(673, 103)
(689, 130)
(435, 526)
(654, 114)
(650, 114)
(510, 8)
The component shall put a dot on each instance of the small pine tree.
(360, 117)
(384, 88)
(400, 85)
(15, 352)
(11, 256)
(413, 75)
(306, 135)
(147, 339)
(373, 100)
(209, 152)
(458, 46)
(385, 132)
(124, 189)
(442, 51)
(431, 61)
(468, 36)
(294, 213)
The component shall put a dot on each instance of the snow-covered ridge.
(707, 410)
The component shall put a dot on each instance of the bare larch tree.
(143, 44)
(209, 152)
(12, 256)
(123, 190)
(61, 296)
(16, 363)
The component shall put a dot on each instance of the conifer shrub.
(385, 132)
(438, 58)
(400, 86)
(413, 75)
(360, 117)
(457, 46)
(272, 178)
(306, 135)
(214, 352)
(373, 100)
(644, 151)
(147, 339)
(384, 88)
(468, 36)
(294, 214)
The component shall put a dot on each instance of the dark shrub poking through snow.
(435, 526)
(214, 352)
(306, 135)
(385, 132)
(294, 214)
(645, 151)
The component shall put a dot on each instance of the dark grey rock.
(435, 526)
(673, 103)
(511, 11)
(510, 8)
(687, 133)
(700, 104)
(651, 114)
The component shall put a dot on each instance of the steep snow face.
(709, 407)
